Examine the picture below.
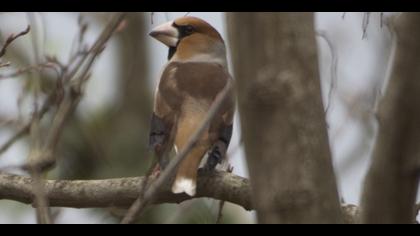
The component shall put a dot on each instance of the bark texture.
(122, 192)
(391, 184)
(282, 117)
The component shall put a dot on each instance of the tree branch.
(281, 111)
(391, 184)
(122, 192)
(12, 38)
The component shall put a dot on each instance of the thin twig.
(11, 38)
(28, 69)
(20, 133)
(42, 157)
(222, 202)
(43, 213)
(99, 43)
(98, 46)
(96, 49)
(71, 101)
(138, 206)
(152, 14)
(382, 19)
(24, 130)
(5, 64)
(366, 18)
(78, 40)
(7, 121)
(334, 65)
(220, 211)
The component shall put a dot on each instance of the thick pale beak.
(166, 33)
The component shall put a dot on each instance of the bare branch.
(12, 38)
(70, 85)
(28, 69)
(122, 192)
(5, 64)
(43, 214)
(6, 121)
(24, 130)
(152, 14)
(382, 19)
(20, 133)
(365, 23)
(221, 202)
(334, 65)
(71, 101)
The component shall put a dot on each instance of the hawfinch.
(196, 72)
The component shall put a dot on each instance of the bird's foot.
(156, 171)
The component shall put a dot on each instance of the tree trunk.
(391, 184)
(93, 149)
(282, 117)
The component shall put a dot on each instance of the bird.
(194, 75)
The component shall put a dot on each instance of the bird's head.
(189, 37)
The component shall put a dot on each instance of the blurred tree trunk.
(132, 117)
(113, 142)
(392, 181)
(282, 117)
(134, 63)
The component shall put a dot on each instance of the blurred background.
(107, 137)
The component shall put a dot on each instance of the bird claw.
(156, 171)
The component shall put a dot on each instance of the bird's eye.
(188, 29)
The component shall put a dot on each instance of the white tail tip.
(184, 185)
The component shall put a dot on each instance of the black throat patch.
(171, 52)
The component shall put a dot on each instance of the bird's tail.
(186, 178)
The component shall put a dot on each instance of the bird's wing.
(163, 119)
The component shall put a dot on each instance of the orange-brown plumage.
(194, 76)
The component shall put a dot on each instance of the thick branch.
(122, 192)
(280, 105)
(392, 181)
